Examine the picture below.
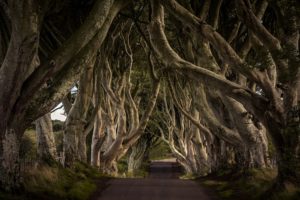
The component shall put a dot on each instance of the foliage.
(159, 150)
(188, 176)
(57, 125)
(28, 146)
(28, 149)
(122, 166)
(58, 136)
(142, 172)
(123, 169)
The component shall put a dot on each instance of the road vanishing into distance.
(163, 183)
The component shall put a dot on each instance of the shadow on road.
(165, 170)
(163, 183)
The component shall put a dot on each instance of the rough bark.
(97, 140)
(186, 138)
(47, 98)
(274, 116)
(19, 62)
(74, 137)
(124, 121)
(137, 156)
(21, 56)
(125, 139)
(69, 49)
(46, 148)
(10, 161)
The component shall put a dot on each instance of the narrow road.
(162, 184)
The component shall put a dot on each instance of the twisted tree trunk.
(22, 96)
(20, 61)
(46, 148)
(137, 156)
(74, 137)
(97, 140)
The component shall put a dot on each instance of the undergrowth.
(247, 185)
(142, 172)
(48, 183)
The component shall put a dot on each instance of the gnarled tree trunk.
(97, 140)
(74, 133)
(10, 161)
(46, 148)
(137, 156)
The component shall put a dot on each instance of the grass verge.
(253, 184)
(48, 183)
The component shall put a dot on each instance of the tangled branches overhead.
(218, 81)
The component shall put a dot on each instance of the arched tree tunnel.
(214, 84)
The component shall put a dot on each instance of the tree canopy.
(216, 80)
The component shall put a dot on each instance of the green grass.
(56, 182)
(28, 148)
(140, 173)
(159, 151)
(82, 190)
(122, 166)
(60, 183)
(250, 185)
(188, 176)
(52, 182)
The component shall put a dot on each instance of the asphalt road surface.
(161, 184)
